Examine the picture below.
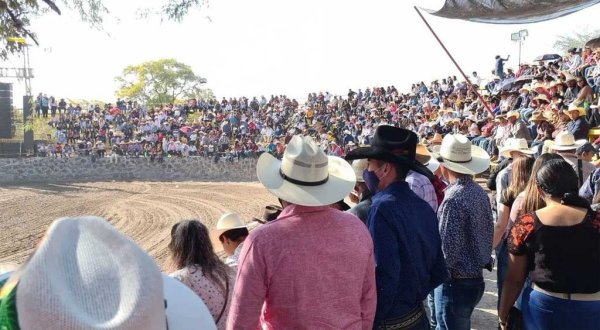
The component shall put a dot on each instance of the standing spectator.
(466, 228)
(566, 146)
(323, 284)
(199, 268)
(404, 230)
(499, 67)
(557, 248)
(231, 233)
(361, 195)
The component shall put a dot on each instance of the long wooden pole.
(454, 61)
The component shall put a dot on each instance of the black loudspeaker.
(6, 118)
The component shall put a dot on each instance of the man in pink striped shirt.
(313, 267)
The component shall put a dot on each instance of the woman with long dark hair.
(196, 265)
(557, 246)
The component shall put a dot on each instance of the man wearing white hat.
(361, 192)
(313, 266)
(566, 145)
(85, 274)
(466, 228)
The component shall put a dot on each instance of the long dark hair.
(533, 201)
(191, 247)
(557, 178)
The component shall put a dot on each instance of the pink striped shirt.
(312, 268)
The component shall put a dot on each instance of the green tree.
(16, 16)
(576, 39)
(159, 82)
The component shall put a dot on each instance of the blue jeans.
(455, 301)
(501, 267)
(541, 311)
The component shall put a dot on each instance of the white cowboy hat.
(305, 175)
(458, 155)
(513, 144)
(227, 221)
(88, 275)
(359, 166)
(433, 165)
(566, 141)
(575, 107)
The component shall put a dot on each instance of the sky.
(263, 47)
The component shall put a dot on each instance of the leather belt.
(569, 296)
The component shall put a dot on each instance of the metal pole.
(453, 61)
(520, 41)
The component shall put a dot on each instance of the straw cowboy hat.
(87, 275)
(537, 116)
(513, 114)
(542, 97)
(566, 141)
(359, 166)
(424, 157)
(227, 221)
(525, 88)
(458, 155)
(575, 107)
(514, 144)
(270, 213)
(305, 175)
(389, 144)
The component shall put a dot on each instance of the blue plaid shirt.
(466, 228)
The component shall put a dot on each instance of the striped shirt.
(423, 188)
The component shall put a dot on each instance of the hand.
(503, 327)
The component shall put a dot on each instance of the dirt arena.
(145, 211)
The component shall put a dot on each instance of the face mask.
(371, 179)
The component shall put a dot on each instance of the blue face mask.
(371, 180)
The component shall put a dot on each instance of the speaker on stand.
(7, 130)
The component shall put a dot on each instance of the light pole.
(520, 37)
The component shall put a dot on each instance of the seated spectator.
(231, 232)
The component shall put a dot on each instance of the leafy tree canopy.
(160, 82)
(16, 16)
(576, 39)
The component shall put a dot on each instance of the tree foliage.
(576, 39)
(16, 16)
(159, 82)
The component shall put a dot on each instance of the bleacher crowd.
(421, 228)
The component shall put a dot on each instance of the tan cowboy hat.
(525, 88)
(566, 141)
(458, 155)
(575, 107)
(542, 97)
(305, 175)
(422, 156)
(513, 144)
(360, 165)
(537, 116)
(85, 270)
(513, 114)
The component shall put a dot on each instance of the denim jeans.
(541, 311)
(455, 301)
(501, 267)
(431, 305)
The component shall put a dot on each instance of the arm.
(513, 283)
(368, 300)
(250, 290)
(387, 260)
(500, 226)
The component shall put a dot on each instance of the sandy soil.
(145, 211)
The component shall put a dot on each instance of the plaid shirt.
(423, 188)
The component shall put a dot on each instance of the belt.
(405, 322)
(569, 296)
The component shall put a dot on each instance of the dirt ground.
(145, 211)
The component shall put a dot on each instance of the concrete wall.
(81, 169)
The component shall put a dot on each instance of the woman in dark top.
(559, 247)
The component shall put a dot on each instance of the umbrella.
(593, 43)
(115, 111)
(185, 129)
(547, 57)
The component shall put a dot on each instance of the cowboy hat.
(305, 175)
(433, 165)
(458, 155)
(270, 213)
(437, 139)
(359, 166)
(389, 144)
(513, 114)
(85, 270)
(542, 97)
(227, 221)
(525, 88)
(422, 154)
(566, 141)
(537, 116)
(514, 144)
(575, 107)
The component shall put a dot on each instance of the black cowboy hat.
(389, 144)
(270, 213)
